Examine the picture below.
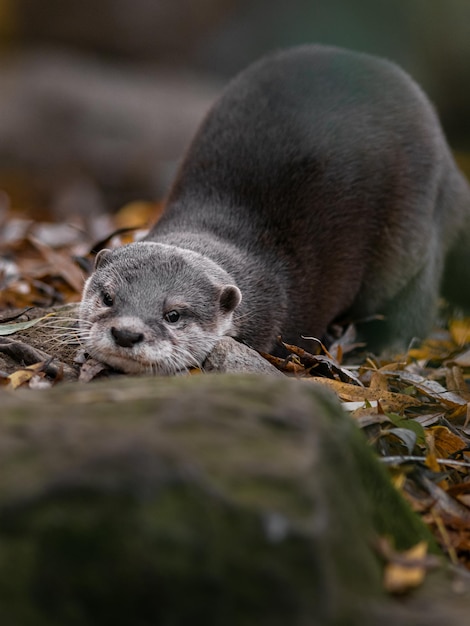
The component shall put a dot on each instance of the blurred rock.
(212, 500)
(155, 30)
(99, 128)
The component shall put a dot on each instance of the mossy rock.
(215, 500)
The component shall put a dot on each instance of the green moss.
(209, 500)
(181, 558)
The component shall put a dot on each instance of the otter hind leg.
(456, 278)
(409, 315)
(455, 218)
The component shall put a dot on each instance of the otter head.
(155, 308)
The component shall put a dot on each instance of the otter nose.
(126, 338)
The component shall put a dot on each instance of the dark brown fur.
(322, 183)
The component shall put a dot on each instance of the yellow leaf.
(460, 331)
(399, 480)
(432, 349)
(391, 401)
(378, 382)
(20, 377)
(137, 214)
(431, 457)
(407, 569)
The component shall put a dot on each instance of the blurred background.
(98, 98)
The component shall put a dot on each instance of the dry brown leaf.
(467, 417)
(378, 382)
(430, 388)
(391, 367)
(323, 364)
(23, 376)
(445, 505)
(431, 456)
(455, 381)
(464, 499)
(345, 343)
(91, 369)
(461, 488)
(444, 535)
(352, 393)
(432, 349)
(63, 265)
(460, 330)
(406, 570)
(284, 365)
(446, 442)
(366, 417)
(428, 419)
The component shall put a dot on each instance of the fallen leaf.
(460, 330)
(444, 505)
(446, 442)
(15, 327)
(462, 359)
(455, 381)
(406, 570)
(464, 499)
(431, 455)
(432, 349)
(430, 388)
(91, 369)
(22, 376)
(324, 362)
(405, 435)
(378, 382)
(138, 214)
(284, 365)
(353, 393)
(63, 264)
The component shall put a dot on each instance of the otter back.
(329, 173)
(322, 185)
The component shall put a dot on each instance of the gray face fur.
(155, 308)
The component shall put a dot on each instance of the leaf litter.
(414, 408)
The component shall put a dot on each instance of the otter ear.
(230, 298)
(101, 258)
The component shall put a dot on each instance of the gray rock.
(230, 356)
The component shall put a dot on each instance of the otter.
(319, 187)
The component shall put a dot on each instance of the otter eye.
(107, 298)
(172, 317)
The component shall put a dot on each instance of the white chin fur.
(147, 360)
(130, 365)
